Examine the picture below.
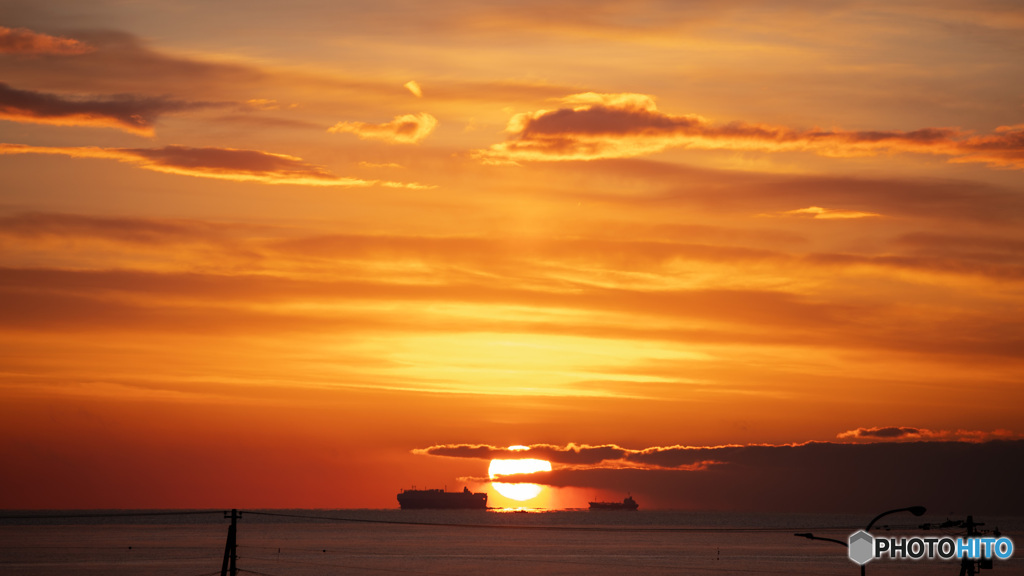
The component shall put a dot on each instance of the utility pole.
(228, 567)
(970, 567)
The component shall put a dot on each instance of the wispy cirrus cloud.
(140, 231)
(219, 163)
(404, 129)
(819, 213)
(25, 41)
(591, 126)
(620, 254)
(124, 112)
(262, 104)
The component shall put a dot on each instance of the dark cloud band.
(125, 112)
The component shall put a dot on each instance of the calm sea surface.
(455, 543)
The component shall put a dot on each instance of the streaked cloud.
(219, 163)
(366, 164)
(591, 126)
(908, 433)
(75, 226)
(559, 288)
(25, 41)
(129, 113)
(407, 185)
(913, 201)
(124, 63)
(989, 247)
(405, 129)
(263, 104)
(820, 213)
(641, 256)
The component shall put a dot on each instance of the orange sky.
(307, 254)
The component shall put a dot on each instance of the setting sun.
(520, 491)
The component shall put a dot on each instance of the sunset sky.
(714, 254)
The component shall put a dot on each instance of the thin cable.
(407, 571)
(348, 566)
(250, 572)
(520, 527)
(109, 515)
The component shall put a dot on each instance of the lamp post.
(915, 510)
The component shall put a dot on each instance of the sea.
(458, 543)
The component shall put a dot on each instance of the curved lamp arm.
(915, 510)
(810, 536)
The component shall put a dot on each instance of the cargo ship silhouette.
(627, 504)
(437, 498)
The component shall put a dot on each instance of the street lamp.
(915, 510)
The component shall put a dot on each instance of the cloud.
(220, 163)
(810, 477)
(414, 87)
(818, 212)
(407, 185)
(139, 231)
(123, 63)
(678, 457)
(887, 432)
(820, 477)
(593, 126)
(25, 41)
(629, 255)
(947, 202)
(262, 104)
(406, 129)
(990, 247)
(532, 277)
(571, 454)
(352, 292)
(768, 315)
(366, 164)
(1004, 148)
(583, 456)
(910, 433)
(129, 113)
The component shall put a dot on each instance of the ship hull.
(610, 506)
(627, 504)
(441, 500)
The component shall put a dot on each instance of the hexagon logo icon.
(861, 547)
